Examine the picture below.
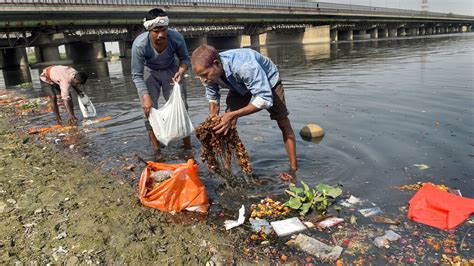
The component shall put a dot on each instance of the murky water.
(385, 105)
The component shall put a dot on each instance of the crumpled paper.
(229, 224)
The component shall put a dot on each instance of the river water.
(385, 105)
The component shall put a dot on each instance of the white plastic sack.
(171, 122)
(86, 106)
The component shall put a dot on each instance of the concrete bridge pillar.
(45, 51)
(429, 31)
(345, 35)
(255, 40)
(469, 28)
(333, 34)
(361, 35)
(383, 33)
(80, 51)
(13, 58)
(392, 33)
(316, 34)
(413, 31)
(374, 33)
(13, 77)
(224, 42)
(422, 31)
(401, 32)
(193, 43)
(125, 48)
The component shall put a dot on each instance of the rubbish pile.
(218, 149)
(348, 229)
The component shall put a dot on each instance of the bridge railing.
(286, 4)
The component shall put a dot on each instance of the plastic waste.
(331, 221)
(86, 106)
(161, 175)
(384, 241)
(171, 122)
(229, 224)
(317, 248)
(350, 201)
(183, 191)
(370, 211)
(288, 226)
(260, 225)
(439, 208)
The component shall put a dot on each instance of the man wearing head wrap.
(62, 79)
(154, 65)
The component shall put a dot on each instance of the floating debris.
(370, 211)
(288, 226)
(421, 166)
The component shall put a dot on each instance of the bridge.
(84, 25)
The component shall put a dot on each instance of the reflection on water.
(385, 105)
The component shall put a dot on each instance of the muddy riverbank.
(56, 207)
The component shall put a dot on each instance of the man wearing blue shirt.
(154, 65)
(254, 84)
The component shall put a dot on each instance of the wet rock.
(11, 201)
(61, 235)
(2, 206)
(71, 261)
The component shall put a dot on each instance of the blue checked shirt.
(246, 71)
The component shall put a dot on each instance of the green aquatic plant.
(304, 199)
(26, 85)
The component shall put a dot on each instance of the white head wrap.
(158, 21)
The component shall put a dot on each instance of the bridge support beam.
(392, 33)
(45, 51)
(374, 33)
(469, 28)
(401, 32)
(361, 35)
(345, 35)
(422, 31)
(382, 33)
(316, 34)
(193, 43)
(413, 31)
(80, 51)
(13, 58)
(333, 35)
(125, 48)
(289, 37)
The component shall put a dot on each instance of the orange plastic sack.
(439, 208)
(183, 191)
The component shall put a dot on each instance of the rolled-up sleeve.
(256, 81)
(138, 65)
(182, 52)
(212, 93)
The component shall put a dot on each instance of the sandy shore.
(57, 208)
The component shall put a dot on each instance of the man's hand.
(225, 123)
(177, 77)
(72, 120)
(147, 104)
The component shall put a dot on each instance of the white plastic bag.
(171, 122)
(86, 106)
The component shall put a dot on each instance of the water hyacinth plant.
(304, 199)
